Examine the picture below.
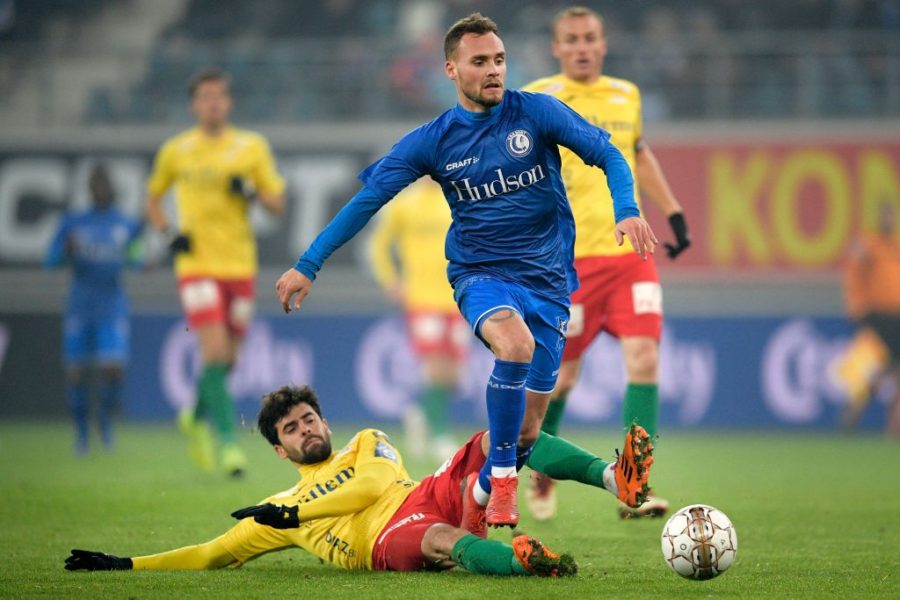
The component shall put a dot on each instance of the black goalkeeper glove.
(682, 237)
(242, 187)
(278, 516)
(88, 560)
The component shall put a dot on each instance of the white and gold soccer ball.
(699, 542)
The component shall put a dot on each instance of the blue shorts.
(90, 339)
(480, 296)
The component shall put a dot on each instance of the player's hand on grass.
(638, 231)
(88, 560)
(278, 516)
(242, 187)
(292, 282)
(682, 237)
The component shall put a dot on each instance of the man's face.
(303, 435)
(579, 44)
(211, 103)
(478, 66)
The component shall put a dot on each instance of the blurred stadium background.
(776, 123)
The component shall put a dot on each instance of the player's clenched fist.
(640, 235)
(290, 283)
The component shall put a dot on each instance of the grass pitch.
(817, 515)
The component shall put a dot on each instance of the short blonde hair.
(578, 11)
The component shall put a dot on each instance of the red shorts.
(620, 295)
(438, 333)
(438, 499)
(206, 301)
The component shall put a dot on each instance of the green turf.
(817, 516)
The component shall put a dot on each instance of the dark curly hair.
(277, 404)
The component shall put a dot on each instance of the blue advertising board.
(725, 372)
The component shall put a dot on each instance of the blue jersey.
(97, 244)
(500, 174)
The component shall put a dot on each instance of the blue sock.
(506, 407)
(110, 392)
(78, 403)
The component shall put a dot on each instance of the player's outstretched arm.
(211, 555)
(346, 224)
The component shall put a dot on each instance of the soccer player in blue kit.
(97, 244)
(510, 246)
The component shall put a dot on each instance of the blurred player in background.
(414, 227)
(357, 508)
(98, 244)
(619, 294)
(509, 247)
(873, 303)
(218, 171)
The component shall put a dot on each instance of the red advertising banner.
(793, 207)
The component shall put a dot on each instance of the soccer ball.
(699, 542)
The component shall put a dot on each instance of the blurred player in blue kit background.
(98, 244)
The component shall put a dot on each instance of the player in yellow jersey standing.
(414, 227)
(218, 171)
(619, 294)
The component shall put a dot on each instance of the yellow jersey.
(217, 221)
(615, 105)
(415, 224)
(344, 503)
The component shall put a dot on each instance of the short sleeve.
(638, 117)
(163, 171)
(265, 175)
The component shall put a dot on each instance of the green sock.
(641, 406)
(487, 557)
(554, 415)
(563, 460)
(216, 400)
(434, 401)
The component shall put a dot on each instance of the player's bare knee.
(563, 387)
(642, 362)
(567, 378)
(518, 349)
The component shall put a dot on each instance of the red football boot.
(502, 509)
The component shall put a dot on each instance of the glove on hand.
(179, 242)
(277, 516)
(242, 187)
(88, 560)
(682, 237)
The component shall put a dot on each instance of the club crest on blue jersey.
(519, 143)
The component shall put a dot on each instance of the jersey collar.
(479, 118)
